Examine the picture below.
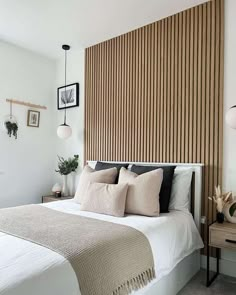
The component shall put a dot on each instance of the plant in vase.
(65, 167)
(221, 200)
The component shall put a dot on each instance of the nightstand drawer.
(222, 239)
(220, 236)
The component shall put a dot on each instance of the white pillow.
(180, 192)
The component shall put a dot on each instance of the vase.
(230, 212)
(65, 190)
(220, 217)
(72, 183)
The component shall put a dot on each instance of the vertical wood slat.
(177, 131)
(179, 97)
(165, 100)
(157, 77)
(168, 89)
(172, 88)
(161, 74)
(191, 78)
(212, 103)
(156, 94)
(187, 92)
(216, 101)
(203, 97)
(221, 91)
(183, 89)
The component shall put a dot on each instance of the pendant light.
(231, 117)
(64, 131)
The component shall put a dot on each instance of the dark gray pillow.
(104, 165)
(168, 173)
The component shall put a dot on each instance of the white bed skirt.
(172, 283)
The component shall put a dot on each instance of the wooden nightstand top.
(52, 198)
(226, 226)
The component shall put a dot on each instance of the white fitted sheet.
(27, 268)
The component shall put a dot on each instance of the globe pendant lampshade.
(231, 117)
(64, 131)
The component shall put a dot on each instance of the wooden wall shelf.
(27, 104)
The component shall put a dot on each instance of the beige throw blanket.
(107, 258)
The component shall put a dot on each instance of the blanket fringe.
(136, 283)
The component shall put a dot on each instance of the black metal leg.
(218, 260)
(208, 265)
(210, 281)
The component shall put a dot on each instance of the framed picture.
(69, 97)
(33, 118)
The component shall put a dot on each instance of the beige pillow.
(143, 192)
(105, 198)
(90, 175)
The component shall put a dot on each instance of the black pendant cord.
(65, 87)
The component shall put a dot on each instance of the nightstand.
(52, 198)
(220, 236)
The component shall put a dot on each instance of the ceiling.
(44, 25)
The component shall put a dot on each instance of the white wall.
(229, 157)
(27, 165)
(75, 116)
(27, 162)
(229, 168)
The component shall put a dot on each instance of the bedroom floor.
(223, 285)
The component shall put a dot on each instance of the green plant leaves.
(12, 129)
(65, 167)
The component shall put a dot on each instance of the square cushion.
(105, 198)
(168, 172)
(90, 175)
(143, 192)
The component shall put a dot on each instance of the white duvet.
(29, 269)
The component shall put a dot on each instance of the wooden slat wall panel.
(156, 94)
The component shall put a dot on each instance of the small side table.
(52, 198)
(220, 236)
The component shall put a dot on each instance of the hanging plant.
(12, 128)
(10, 123)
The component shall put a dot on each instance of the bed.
(27, 268)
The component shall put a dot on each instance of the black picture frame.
(33, 118)
(75, 89)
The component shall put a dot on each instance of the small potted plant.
(65, 167)
(220, 200)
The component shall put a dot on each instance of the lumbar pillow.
(168, 172)
(90, 175)
(105, 198)
(180, 193)
(143, 192)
